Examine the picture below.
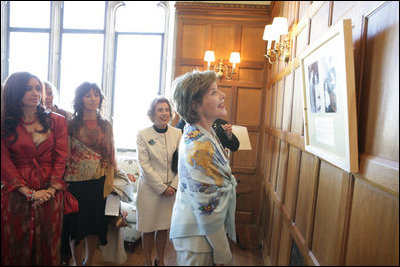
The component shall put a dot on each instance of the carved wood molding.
(188, 5)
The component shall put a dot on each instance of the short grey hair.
(153, 105)
(190, 88)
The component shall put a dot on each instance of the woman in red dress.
(33, 157)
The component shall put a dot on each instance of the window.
(139, 36)
(29, 31)
(121, 46)
(81, 48)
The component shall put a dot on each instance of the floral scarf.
(206, 197)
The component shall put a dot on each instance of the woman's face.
(91, 100)
(161, 115)
(49, 97)
(213, 105)
(33, 94)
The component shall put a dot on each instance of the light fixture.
(222, 69)
(272, 33)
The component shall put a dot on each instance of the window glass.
(29, 52)
(30, 14)
(84, 15)
(137, 82)
(141, 16)
(81, 60)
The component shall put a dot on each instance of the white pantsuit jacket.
(155, 152)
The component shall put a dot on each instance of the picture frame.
(329, 97)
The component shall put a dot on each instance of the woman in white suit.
(157, 154)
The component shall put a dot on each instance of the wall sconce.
(220, 68)
(272, 33)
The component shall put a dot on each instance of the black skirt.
(90, 220)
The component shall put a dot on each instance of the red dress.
(32, 236)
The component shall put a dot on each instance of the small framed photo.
(329, 97)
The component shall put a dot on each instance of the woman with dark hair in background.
(90, 172)
(33, 157)
(158, 181)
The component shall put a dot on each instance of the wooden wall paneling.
(248, 107)
(251, 48)
(245, 207)
(275, 163)
(284, 246)
(292, 183)
(282, 170)
(319, 20)
(279, 103)
(276, 232)
(297, 124)
(264, 217)
(380, 94)
(270, 155)
(307, 192)
(223, 40)
(287, 103)
(268, 104)
(333, 187)
(380, 246)
(247, 158)
(342, 9)
(273, 104)
(194, 40)
(303, 7)
(247, 74)
(302, 38)
(268, 226)
(183, 69)
(381, 172)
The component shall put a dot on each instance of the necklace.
(28, 122)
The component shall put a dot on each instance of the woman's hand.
(41, 196)
(228, 130)
(169, 192)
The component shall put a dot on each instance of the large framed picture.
(329, 97)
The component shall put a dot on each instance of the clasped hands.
(169, 192)
(41, 196)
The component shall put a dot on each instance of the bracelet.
(30, 194)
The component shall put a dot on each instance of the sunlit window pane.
(29, 52)
(141, 16)
(84, 15)
(137, 82)
(81, 60)
(30, 14)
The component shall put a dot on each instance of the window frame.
(109, 48)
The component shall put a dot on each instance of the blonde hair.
(190, 88)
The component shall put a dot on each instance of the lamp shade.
(270, 33)
(235, 57)
(281, 25)
(209, 56)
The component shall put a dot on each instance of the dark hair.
(190, 88)
(153, 105)
(78, 105)
(12, 93)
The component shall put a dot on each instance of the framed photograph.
(329, 97)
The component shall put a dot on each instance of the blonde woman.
(204, 209)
